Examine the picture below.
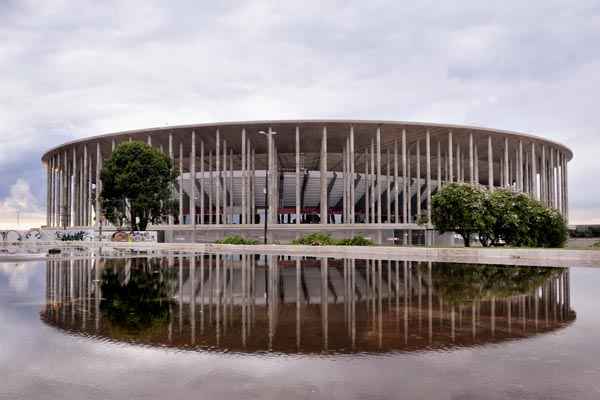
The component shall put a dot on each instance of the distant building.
(343, 175)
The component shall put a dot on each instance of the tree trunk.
(466, 239)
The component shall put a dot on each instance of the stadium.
(339, 176)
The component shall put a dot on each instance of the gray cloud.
(75, 69)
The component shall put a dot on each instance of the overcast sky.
(75, 69)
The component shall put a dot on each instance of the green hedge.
(322, 239)
(235, 239)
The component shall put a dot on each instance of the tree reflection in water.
(136, 298)
(249, 303)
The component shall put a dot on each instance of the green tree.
(137, 183)
(459, 208)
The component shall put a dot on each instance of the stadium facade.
(315, 175)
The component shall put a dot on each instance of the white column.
(181, 182)
(520, 167)
(367, 200)
(534, 172)
(98, 184)
(211, 188)
(450, 158)
(298, 188)
(202, 183)
(428, 156)
(193, 181)
(418, 176)
(324, 180)
(471, 156)
(171, 157)
(387, 193)
(506, 171)
(476, 155)
(404, 177)
(218, 178)
(396, 205)
(352, 179)
(378, 177)
(373, 184)
(439, 164)
(75, 195)
(84, 188)
(490, 164)
(243, 180)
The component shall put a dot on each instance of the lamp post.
(268, 135)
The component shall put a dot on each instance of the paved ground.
(509, 256)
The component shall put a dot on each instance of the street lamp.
(268, 135)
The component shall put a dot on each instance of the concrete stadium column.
(89, 196)
(298, 188)
(84, 187)
(458, 163)
(352, 179)
(75, 190)
(373, 184)
(225, 184)
(202, 183)
(490, 164)
(410, 183)
(566, 188)
(210, 188)
(428, 157)
(253, 185)
(192, 181)
(181, 182)
(543, 177)
(243, 180)
(439, 164)
(48, 186)
(218, 177)
(476, 157)
(521, 183)
(344, 186)
(471, 159)
(418, 178)
(388, 182)
(52, 190)
(404, 177)
(378, 177)
(249, 183)
(98, 184)
(450, 158)
(367, 200)
(231, 209)
(506, 171)
(396, 194)
(534, 172)
(551, 180)
(171, 157)
(323, 177)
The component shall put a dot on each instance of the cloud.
(72, 70)
(20, 209)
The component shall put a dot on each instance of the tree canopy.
(499, 217)
(459, 208)
(137, 183)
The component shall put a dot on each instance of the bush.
(500, 217)
(75, 236)
(322, 239)
(235, 239)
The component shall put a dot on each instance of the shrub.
(235, 239)
(75, 236)
(322, 239)
(315, 239)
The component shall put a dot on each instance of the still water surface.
(245, 326)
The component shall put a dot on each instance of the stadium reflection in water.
(251, 303)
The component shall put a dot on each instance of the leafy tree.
(459, 208)
(137, 184)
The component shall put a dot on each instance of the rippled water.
(251, 326)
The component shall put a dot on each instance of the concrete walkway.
(508, 256)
